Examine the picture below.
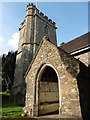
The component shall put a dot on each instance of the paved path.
(47, 117)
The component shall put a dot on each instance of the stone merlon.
(37, 12)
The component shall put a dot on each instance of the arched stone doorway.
(48, 91)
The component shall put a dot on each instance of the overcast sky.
(71, 20)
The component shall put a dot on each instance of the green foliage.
(9, 109)
(5, 93)
(62, 43)
(8, 68)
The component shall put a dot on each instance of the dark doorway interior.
(83, 80)
(48, 92)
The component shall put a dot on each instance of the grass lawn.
(9, 109)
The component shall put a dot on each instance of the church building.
(50, 79)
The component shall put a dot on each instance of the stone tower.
(32, 29)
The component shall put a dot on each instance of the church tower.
(32, 29)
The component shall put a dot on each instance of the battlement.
(46, 18)
(31, 7)
(22, 24)
(31, 4)
(40, 14)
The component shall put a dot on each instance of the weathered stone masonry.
(66, 68)
(32, 30)
(48, 79)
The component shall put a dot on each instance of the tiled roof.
(77, 44)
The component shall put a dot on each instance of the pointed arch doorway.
(48, 91)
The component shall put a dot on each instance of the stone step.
(47, 117)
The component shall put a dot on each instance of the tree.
(8, 68)
(62, 43)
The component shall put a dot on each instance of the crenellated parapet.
(44, 17)
(31, 4)
(22, 25)
(32, 10)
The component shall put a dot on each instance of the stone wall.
(44, 28)
(84, 57)
(66, 68)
